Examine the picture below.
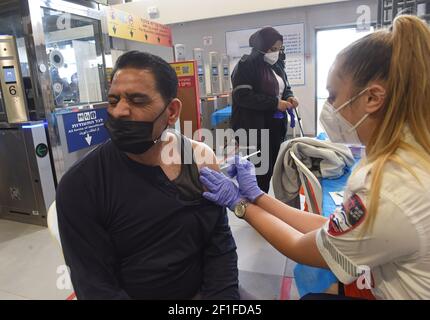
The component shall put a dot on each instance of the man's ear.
(375, 98)
(174, 108)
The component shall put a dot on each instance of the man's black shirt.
(126, 233)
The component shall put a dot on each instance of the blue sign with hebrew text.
(85, 129)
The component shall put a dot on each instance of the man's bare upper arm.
(204, 156)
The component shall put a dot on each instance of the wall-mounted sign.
(132, 27)
(188, 93)
(237, 43)
(85, 129)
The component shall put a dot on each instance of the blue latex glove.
(293, 118)
(244, 171)
(221, 189)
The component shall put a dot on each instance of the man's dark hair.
(166, 80)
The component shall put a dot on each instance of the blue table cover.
(316, 280)
(220, 115)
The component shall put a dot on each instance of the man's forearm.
(299, 220)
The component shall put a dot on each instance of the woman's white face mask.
(271, 57)
(337, 127)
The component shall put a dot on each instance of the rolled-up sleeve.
(349, 252)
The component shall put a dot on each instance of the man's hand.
(221, 190)
(293, 101)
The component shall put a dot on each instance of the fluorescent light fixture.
(31, 126)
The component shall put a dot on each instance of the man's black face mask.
(132, 136)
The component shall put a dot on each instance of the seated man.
(134, 225)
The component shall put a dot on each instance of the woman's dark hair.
(166, 80)
(260, 42)
(264, 39)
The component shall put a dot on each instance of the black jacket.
(252, 108)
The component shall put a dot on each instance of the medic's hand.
(221, 189)
(244, 171)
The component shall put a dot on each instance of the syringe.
(226, 165)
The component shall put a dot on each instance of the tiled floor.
(31, 263)
(262, 269)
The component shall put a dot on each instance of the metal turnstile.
(27, 185)
(52, 82)
(223, 101)
(198, 56)
(208, 106)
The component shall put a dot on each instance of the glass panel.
(421, 9)
(76, 66)
(329, 44)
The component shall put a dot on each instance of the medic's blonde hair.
(401, 57)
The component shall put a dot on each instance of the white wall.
(175, 11)
(315, 17)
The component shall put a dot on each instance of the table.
(220, 116)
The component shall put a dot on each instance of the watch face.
(239, 211)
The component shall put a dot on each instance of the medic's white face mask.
(337, 127)
(271, 57)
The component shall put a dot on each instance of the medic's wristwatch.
(240, 209)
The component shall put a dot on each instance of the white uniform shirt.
(397, 252)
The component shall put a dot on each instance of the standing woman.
(379, 95)
(262, 95)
